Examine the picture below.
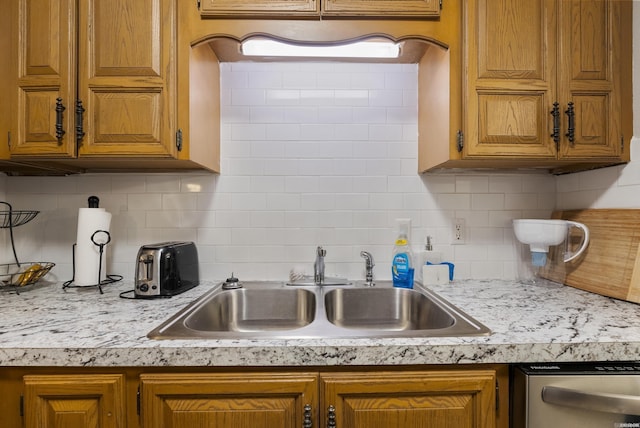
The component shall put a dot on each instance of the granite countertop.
(49, 326)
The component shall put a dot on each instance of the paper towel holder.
(109, 278)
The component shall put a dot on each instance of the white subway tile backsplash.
(487, 270)
(144, 202)
(454, 201)
(302, 219)
(248, 201)
(472, 184)
(369, 80)
(369, 114)
(504, 218)
(386, 98)
(263, 149)
(351, 131)
(254, 131)
(284, 167)
(317, 97)
(335, 114)
(270, 114)
(333, 80)
(311, 154)
(248, 97)
(263, 79)
(520, 201)
(353, 98)
(316, 132)
(197, 183)
(356, 167)
(505, 184)
(283, 132)
(317, 202)
(295, 79)
(162, 219)
(629, 175)
(487, 201)
(284, 97)
(179, 201)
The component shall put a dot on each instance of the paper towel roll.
(87, 254)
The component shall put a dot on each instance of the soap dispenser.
(429, 256)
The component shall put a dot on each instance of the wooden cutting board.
(611, 264)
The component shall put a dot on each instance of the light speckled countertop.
(49, 326)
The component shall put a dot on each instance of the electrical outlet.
(459, 231)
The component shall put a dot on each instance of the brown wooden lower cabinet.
(422, 399)
(438, 397)
(227, 401)
(70, 401)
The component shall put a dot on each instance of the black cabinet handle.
(59, 117)
(555, 112)
(308, 422)
(331, 417)
(571, 130)
(79, 119)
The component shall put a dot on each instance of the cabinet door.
(46, 79)
(74, 401)
(212, 8)
(510, 51)
(589, 75)
(414, 8)
(126, 77)
(227, 400)
(438, 399)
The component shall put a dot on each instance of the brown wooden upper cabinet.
(324, 8)
(95, 78)
(548, 79)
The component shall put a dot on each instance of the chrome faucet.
(369, 264)
(318, 266)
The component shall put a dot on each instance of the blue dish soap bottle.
(402, 265)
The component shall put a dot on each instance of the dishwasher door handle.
(598, 401)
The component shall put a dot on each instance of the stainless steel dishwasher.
(583, 395)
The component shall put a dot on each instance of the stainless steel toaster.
(166, 269)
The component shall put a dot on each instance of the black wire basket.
(13, 275)
(14, 218)
(11, 218)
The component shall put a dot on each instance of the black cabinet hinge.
(138, 401)
(21, 405)
(460, 140)
(497, 396)
(440, 4)
(9, 139)
(198, 3)
(179, 139)
(622, 144)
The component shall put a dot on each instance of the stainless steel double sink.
(275, 310)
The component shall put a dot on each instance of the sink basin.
(250, 310)
(244, 310)
(385, 309)
(275, 310)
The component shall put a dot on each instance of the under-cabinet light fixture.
(362, 49)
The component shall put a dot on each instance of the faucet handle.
(320, 252)
(368, 258)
